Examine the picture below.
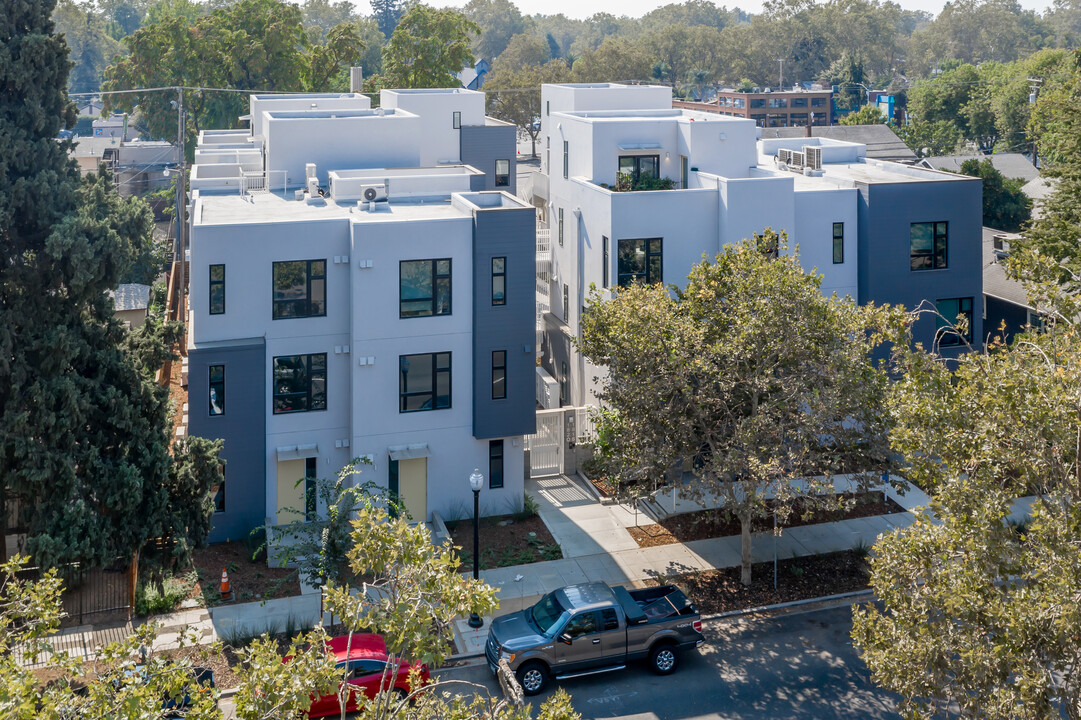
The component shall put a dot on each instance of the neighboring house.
(90, 152)
(90, 108)
(797, 107)
(370, 294)
(131, 303)
(1005, 302)
(1038, 190)
(138, 165)
(1011, 165)
(879, 139)
(877, 231)
(472, 78)
(116, 125)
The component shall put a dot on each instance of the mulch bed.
(249, 579)
(505, 540)
(601, 483)
(804, 578)
(706, 524)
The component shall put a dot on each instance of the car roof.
(587, 595)
(362, 646)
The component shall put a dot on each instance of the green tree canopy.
(739, 379)
(514, 95)
(499, 21)
(428, 48)
(1005, 205)
(866, 115)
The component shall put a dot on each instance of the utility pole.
(780, 74)
(180, 253)
(1034, 86)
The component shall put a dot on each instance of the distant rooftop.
(995, 282)
(882, 143)
(1012, 165)
(131, 296)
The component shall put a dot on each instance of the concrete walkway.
(580, 524)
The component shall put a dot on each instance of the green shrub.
(148, 600)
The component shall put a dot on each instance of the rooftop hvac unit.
(373, 193)
(813, 157)
(784, 155)
(311, 180)
(1001, 244)
(356, 79)
(796, 159)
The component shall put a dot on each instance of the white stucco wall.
(816, 211)
(439, 140)
(303, 102)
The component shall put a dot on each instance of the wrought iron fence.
(90, 591)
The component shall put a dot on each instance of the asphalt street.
(796, 666)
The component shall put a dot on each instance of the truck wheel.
(532, 677)
(662, 659)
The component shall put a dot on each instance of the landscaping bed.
(505, 540)
(802, 578)
(706, 524)
(249, 579)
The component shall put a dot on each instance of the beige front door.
(290, 492)
(413, 487)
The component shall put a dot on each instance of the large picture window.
(300, 289)
(424, 288)
(838, 243)
(424, 382)
(640, 261)
(948, 312)
(216, 395)
(495, 464)
(300, 383)
(929, 241)
(217, 289)
(640, 166)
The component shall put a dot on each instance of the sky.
(637, 8)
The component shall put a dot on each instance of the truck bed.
(654, 604)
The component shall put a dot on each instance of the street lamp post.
(476, 480)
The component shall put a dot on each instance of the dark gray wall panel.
(509, 233)
(243, 427)
(482, 145)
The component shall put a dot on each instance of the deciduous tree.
(428, 48)
(748, 378)
(515, 95)
(1005, 205)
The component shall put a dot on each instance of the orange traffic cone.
(226, 591)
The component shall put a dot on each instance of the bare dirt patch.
(803, 578)
(250, 579)
(714, 523)
(504, 541)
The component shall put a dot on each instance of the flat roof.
(870, 172)
(273, 207)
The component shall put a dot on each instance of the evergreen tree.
(387, 13)
(84, 432)
(1005, 205)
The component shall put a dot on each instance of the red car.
(367, 660)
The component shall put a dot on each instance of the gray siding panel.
(482, 145)
(886, 212)
(243, 427)
(509, 233)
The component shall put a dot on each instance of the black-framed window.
(216, 392)
(838, 243)
(799, 102)
(947, 318)
(564, 384)
(929, 243)
(640, 261)
(219, 491)
(547, 107)
(607, 261)
(502, 173)
(456, 120)
(311, 503)
(499, 281)
(300, 383)
(300, 289)
(424, 288)
(818, 102)
(566, 304)
(495, 464)
(423, 382)
(566, 159)
(640, 166)
(560, 213)
(217, 289)
(499, 374)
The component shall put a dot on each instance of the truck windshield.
(545, 613)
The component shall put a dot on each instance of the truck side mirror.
(565, 638)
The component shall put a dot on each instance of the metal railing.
(92, 590)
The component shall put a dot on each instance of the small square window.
(424, 288)
(300, 289)
(495, 464)
(424, 382)
(456, 120)
(502, 173)
(950, 313)
(928, 245)
(300, 383)
(216, 394)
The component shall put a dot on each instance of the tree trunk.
(745, 551)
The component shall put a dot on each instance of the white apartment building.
(362, 285)
(693, 182)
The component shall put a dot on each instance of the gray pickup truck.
(590, 628)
